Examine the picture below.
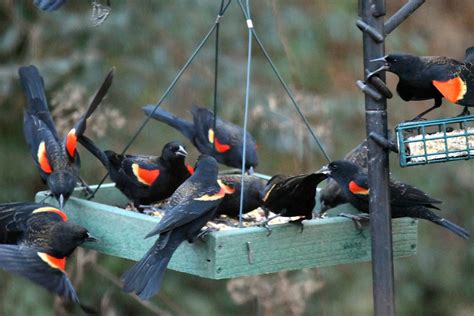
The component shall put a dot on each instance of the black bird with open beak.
(432, 77)
(144, 179)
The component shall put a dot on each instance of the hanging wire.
(285, 86)
(168, 90)
(216, 64)
(246, 110)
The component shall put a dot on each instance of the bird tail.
(94, 150)
(185, 127)
(99, 96)
(146, 276)
(427, 214)
(33, 86)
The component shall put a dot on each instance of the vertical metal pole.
(372, 12)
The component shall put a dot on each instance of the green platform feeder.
(235, 252)
(427, 142)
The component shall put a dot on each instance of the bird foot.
(202, 235)
(299, 222)
(357, 219)
(150, 210)
(464, 112)
(265, 225)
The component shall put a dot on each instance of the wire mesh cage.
(436, 141)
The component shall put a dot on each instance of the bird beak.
(385, 66)
(250, 171)
(91, 238)
(182, 152)
(324, 170)
(384, 59)
(61, 202)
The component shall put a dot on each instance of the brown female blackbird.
(35, 240)
(290, 196)
(432, 77)
(57, 159)
(190, 207)
(405, 200)
(224, 144)
(144, 179)
(253, 194)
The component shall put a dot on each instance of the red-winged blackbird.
(432, 77)
(224, 144)
(144, 179)
(405, 200)
(56, 159)
(35, 240)
(190, 207)
(290, 196)
(331, 195)
(253, 194)
(49, 5)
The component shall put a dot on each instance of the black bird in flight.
(35, 240)
(405, 200)
(190, 207)
(432, 77)
(57, 159)
(224, 143)
(144, 179)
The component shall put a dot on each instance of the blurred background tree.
(318, 49)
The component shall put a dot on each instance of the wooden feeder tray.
(234, 252)
(425, 142)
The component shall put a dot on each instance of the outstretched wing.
(38, 267)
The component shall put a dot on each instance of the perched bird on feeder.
(290, 196)
(405, 200)
(144, 179)
(35, 240)
(190, 207)
(57, 159)
(224, 143)
(432, 77)
(49, 5)
(331, 195)
(253, 194)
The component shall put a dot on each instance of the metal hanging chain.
(285, 86)
(168, 90)
(246, 109)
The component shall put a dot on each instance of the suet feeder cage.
(427, 142)
(233, 252)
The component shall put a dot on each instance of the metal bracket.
(383, 142)
(249, 252)
(401, 15)
(367, 89)
(364, 27)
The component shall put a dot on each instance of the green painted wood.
(237, 252)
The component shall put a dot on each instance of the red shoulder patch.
(190, 168)
(145, 176)
(222, 148)
(71, 142)
(42, 156)
(53, 262)
(357, 189)
(453, 89)
(52, 210)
